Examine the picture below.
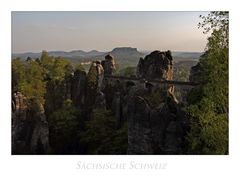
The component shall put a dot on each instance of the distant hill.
(126, 51)
(125, 56)
(74, 53)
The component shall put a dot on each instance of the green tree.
(208, 102)
(92, 78)
(91, 87)
(127, 71)
(101, 135)
(45, 59)
(28, 78)
(63, 129)
(60, 69)
(18, 73)
(58, 74)
(79, 67)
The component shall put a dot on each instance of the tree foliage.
(216, 21)
(208, 103)
(28, 78)
(127, 71)
(64, 126)
(101, 135)
(91, 87)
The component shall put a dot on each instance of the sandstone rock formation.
(156, 65)
(139, 129)
(109, 65)
(152, 128)
(100, 101)
(100, 73)
(117, 109)
(19, 105)
(29, 127)
(155, 130)
(94, 95)
(78, 88)
(40, 134)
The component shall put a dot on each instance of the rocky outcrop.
(19, 106)
(157, 65)
(78, 88)
(109, 65)
(139, 130)
(19, 111)
(40, 132)
(117, 109)
(155, 130)
(100, 72)
(100, 101)
(94, 95)
(154, 127)
(30, 133)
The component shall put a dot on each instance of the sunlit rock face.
(100, 73)
(156, 65)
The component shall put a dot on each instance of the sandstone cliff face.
(29, 127)
(100, 73)
(156, 65)
(109, 65)
(19, 110)
(155, 130)
(139, 128)
(158, 129)
(152, 129)
(78, 88)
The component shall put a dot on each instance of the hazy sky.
(37, 31)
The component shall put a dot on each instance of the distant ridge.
(73, 53)
(118, 53)
(125, 56)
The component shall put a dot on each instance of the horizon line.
(104, 51)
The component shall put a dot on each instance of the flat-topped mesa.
(109, 65)
(156, 65)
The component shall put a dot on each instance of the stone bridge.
(181, 87)
(154, 82)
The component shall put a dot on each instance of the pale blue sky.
(37, 31)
